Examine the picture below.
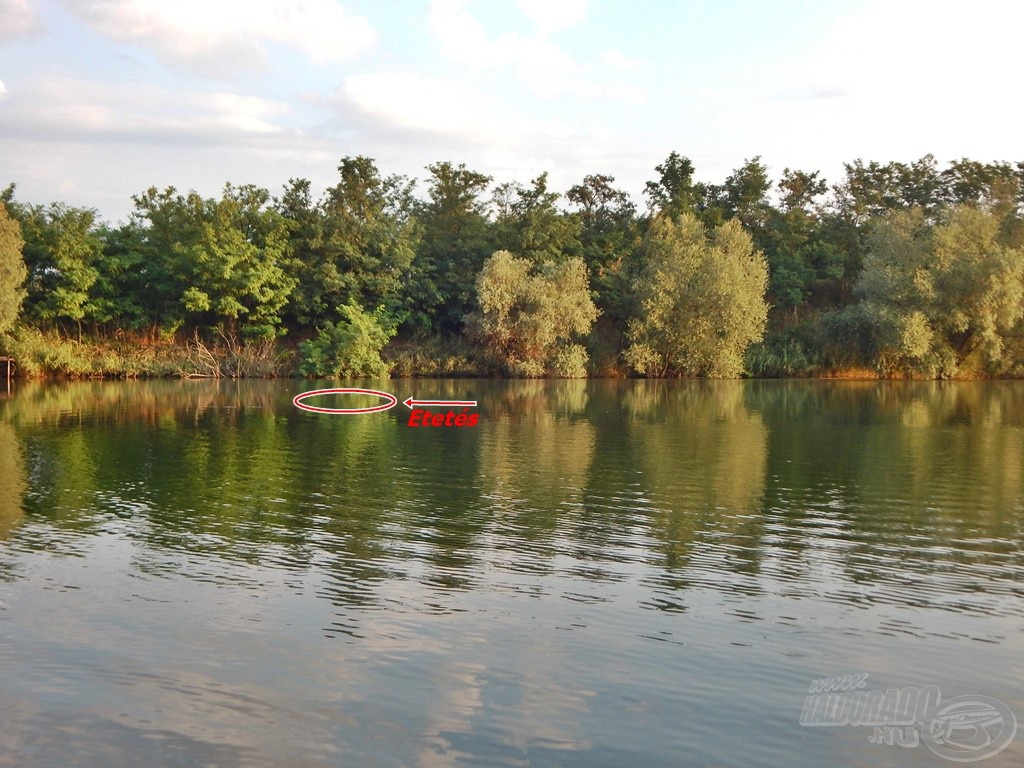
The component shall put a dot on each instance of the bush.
(570, 362)
(701, 300)
(786, 353)
(528, 315)
(350, 347)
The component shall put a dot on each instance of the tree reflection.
(691, 481)
(12, 489)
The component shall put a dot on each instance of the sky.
(102, 99)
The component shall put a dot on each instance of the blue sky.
(100, 99)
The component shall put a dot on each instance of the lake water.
(597, 574)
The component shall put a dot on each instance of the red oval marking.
(297, 400)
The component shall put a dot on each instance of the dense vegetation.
(896, 270)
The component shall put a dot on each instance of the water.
(598, 574)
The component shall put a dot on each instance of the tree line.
(897, 269)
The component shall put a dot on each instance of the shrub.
(350, 347)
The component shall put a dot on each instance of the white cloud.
(535, 60)
(417, 103)
(223, 37)
(616, 59)
(407, 118)
(3, 89)
(887, 81)
(61, 109)
(553, 15)
(17, 19)
(921, 48)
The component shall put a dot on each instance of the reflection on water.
(600, 573)
(12, 470)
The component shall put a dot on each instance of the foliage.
(40, 352)
(791, 352)
(609, 236)
(432, 355)
(12, 270)
(938, 294)
(456, 239)
(356, 245)
(802, 262)
(904, 268)
(350, 347)
(701, 300)
(61, 250)
(529, 223)
(675, 192)
(214, 263)
(527, 315)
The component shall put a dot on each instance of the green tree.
(456, 239)
(530, 224)
(12, 270)
(801, 260)
(351, 346)
(674, 192)
(937, 295)
(875, 189)
(309, 266)
(529, 315)
(236, 254)
(61, 250)
(701, 299)
(118, 298)
(609, 236)
(160, 222)
(745, 197)
(357, 245)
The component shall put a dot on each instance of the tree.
(12, 270)
(745, 196)
(530, 224)
(528, 315)
(701, 299)
(350, 347)
(800, 259)
(457, 237)
(674, 193)
(213, 262)
(61, 251)
(160, 220)
(609, 238)
(235, 256)
(304, 219)
(369, 238)
(876, 189)
(937, 295)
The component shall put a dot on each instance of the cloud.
(429, 105)
(808, 92)
(411, 119)
(17, 20)
(616, 59)
(3, 89)
(551, 16)
(70, 109)
(229, 37)
(533, 60)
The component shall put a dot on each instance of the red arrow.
(410, 403)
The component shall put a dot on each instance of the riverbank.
(40, 354)
(49, 355)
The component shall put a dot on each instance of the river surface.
(597, 574)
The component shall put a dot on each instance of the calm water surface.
(598, 574)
